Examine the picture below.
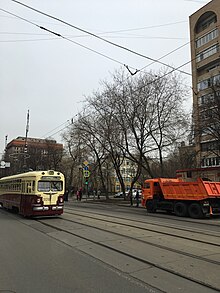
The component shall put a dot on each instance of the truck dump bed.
(198, 190)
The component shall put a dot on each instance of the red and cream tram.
(35, 193)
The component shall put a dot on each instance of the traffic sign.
(4, 164)
(86, 173)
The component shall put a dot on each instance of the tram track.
(148, 242)
(163, 215)
(199, 232)
(135, 257)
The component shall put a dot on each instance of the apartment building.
(128, 171)
(205, 55)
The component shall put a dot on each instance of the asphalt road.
(33, 262)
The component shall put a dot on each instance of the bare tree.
(76, 149)
(150, 115)
(140, 119)
(101, 134)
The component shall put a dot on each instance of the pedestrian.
(130, 197)
(94, 194)
(80, 194)
(66, 195)
(137, 198)
(77, 195)
(98, 193)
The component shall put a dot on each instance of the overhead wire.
(96, 36)
(92, 50)
(59, 35)
(121, 30)
(49, 132)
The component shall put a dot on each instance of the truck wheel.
(150, 206)
(180, 209)
(195, 211)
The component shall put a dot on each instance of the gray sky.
(51, 76)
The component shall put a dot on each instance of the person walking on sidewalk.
(130, 197)
(94, 194)
(80, 194)
(137, 198)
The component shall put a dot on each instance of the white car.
(120, 194)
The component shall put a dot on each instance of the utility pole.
(25, 144)
(6, 142)
(26, 134)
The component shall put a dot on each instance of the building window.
(210, 146)
(207, 53)
(212, 67)
(206, 99)
(210, 162)
(205, 21)
(207, 38)
(206, 83)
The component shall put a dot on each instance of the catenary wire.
(92, 50)
(61, 36)
(98, 37)
(31, 22)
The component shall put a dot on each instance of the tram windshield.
(47, 186)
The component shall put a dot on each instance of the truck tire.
(195, 211)
(180, 209)
(150, 206)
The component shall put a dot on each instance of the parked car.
(120, 194)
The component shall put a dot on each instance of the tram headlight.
(38, 200)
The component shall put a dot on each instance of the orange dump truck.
(197, 199)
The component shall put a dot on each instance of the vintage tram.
(35, 193)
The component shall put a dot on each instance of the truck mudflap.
(204, 208)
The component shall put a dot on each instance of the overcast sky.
(51, 76)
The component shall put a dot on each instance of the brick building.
(32, 153)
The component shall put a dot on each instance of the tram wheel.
(195, 211)
(180, 209)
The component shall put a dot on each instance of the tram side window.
(33, 185)
(26, 187)
(23, 187)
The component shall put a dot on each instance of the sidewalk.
(103, 200)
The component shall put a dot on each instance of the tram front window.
(46, 186)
